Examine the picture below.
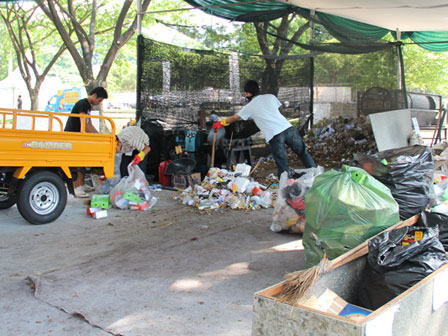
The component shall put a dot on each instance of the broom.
(298, 284)
(212, 161)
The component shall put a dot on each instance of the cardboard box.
(100, 201)
(332, 303)
(182, 181)
(100, 214)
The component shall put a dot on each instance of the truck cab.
(64, 100)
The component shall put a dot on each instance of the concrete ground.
(204, 268)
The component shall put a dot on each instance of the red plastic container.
(164, 180)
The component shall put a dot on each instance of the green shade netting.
(250, 12)
(348, 30)
(345, 30)
(438, 41)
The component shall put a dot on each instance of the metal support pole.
(311, 91)
(138, 105)
(403, 79)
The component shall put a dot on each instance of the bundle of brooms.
(298, 284)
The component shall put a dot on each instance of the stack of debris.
(332, 143)
(226, 189)
(440, 155)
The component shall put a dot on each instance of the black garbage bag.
(429, 219)
(397, 260)
(408, 172)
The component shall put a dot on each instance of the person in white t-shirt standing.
(278, 131)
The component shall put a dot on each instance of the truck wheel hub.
(44, 198)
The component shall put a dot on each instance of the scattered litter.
(90, 211)
(100, 201)
(104, 185)
(100, 214)
(226, 189)
(97, 213)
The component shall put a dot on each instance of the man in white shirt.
(264, 111)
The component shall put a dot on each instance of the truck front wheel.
(42, 197)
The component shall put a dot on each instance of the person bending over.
(264, 111)
(133, 142)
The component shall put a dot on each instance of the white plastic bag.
(289, 213)
(133, 191)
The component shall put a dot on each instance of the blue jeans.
(292, 138)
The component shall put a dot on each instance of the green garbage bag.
(343, 209)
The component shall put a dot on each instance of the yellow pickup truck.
(38, 160)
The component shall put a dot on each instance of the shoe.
(292, 174)
(80, 193)
(88, 188)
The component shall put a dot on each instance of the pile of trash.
(289, 213)
(228, 189)
(332, 143)
(132, 192)
(127, 193)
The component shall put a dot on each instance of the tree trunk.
(34, 97)
(85, 34)
(20, 29)
(270, 79)
(275, 50)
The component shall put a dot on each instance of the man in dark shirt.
(84, 106)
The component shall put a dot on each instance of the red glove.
(138, 158)
(217, 125)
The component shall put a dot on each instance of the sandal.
(88, 188)
(80, 193)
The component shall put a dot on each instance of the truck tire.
(42, 197)
(6, 201)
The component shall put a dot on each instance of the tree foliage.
(358, 71)
(425, 71)
(5, 51)
(29, 34)
(101, 29)
(190, 70)
(103, 50)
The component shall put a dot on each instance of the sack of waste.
(289, 213)
(343, 209)
(408, 172)
(133, 191)
(396, 261)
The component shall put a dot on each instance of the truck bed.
(30, 139)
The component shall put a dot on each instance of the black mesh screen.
(181, 89)
(175, 83)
